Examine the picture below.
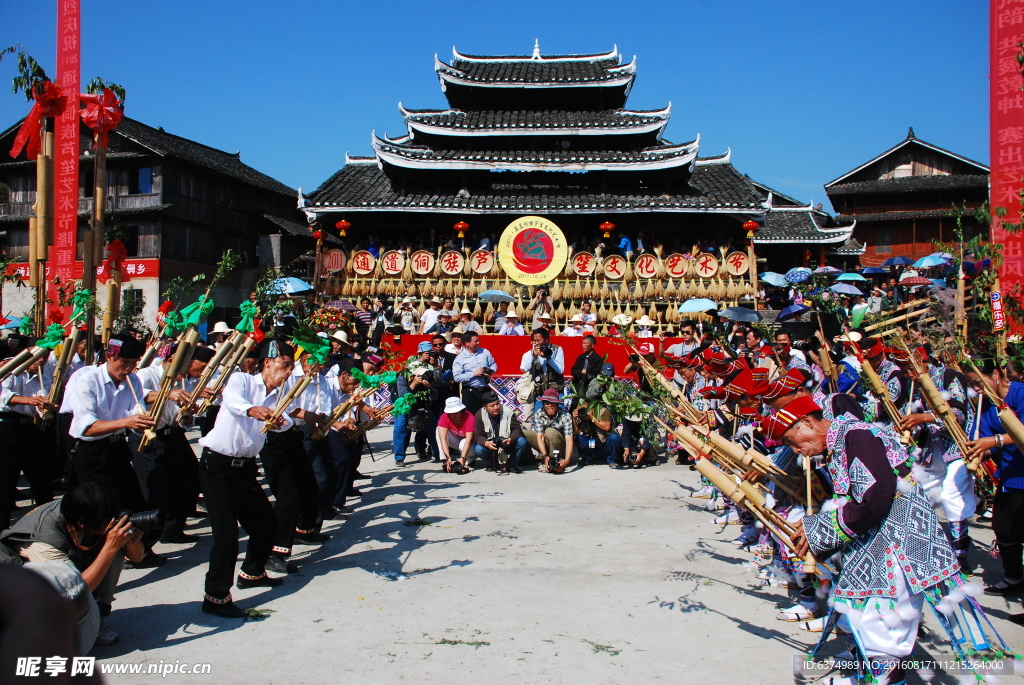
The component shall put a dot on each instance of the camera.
(634, 358)
(487, 371)
(428, 377)
(805, 345)
(143, 520)
(502, 444)
(546, 350)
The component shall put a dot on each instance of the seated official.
(455, 432)
(552, 434)
(511, 325)
(81, 529)
(498, 432)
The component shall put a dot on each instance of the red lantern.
(607, 227)
(343, 227)
(462, 227)
(751, 227)
(318, 234)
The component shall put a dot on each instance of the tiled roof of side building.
(801, 225)
(536, 122)
(361, 186)
(910, 184)
(87, 214)
(908, 214)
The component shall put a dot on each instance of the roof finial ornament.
(910, 133)
(536, 48)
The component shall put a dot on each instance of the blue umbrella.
(850, 277)
(897, 261)
(874, 270)
(288, 286)
(930, 260)
(939, 283)
(741, 314)
(792, 311)
(827, 270)
(15, 322)
(798, 275)
(496, 296)
(846, 289)
(772, 278)
(972, 269)
(700, 304)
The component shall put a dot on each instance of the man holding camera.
(545, 363)
(498, 430)
(473, 369)
(84, 529)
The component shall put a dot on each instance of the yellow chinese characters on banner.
(532, 250)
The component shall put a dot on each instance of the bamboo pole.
(92, 249)
(43, 225)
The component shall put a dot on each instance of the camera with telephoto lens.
(809, 345)
(634, 358)
(143, 520)
(428, 377)
(503, 444)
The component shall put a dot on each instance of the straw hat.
(220, 327)
(646, 321)
(341, 336)
(622, 320)
(511, 314)
(465, 310)
(545, 317)
(436, 300)
(577, 318)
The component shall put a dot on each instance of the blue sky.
(801, 91)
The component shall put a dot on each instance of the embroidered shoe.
(795, 613)
(731, 518)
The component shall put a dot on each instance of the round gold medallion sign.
(532, 250)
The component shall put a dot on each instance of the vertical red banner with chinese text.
(66, 145)
(1006, 135)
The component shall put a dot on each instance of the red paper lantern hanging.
(607, 227)
(318, 234)
(462, 227)
(751, 227)
(343, 227)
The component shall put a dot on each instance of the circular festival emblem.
(334, 260)
(584, 264)
(481, 261)
(452, 263)
(677, 265)
(614, 266)
(363, 262)
(646, 266)
(532, 250)
(705, 265)
(392, 262)
(737, 263)
(422, 262)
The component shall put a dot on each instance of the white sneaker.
(795, 613)
(747, 537)
(731, 518)
(106, 637)
(705, 492)
(715, 504)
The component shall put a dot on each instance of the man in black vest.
(587, 366)
(81, 529)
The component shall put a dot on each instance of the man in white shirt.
(229, 473)
(511, 325)
(689, 343)
(107, 400)
(429, 317)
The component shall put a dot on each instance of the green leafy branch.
(98, 84)
(31, 76)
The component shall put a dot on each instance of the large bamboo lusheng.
(286, 401)
(180, 360)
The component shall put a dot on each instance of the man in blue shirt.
(1008, 508)
(625, 244)
(473, 369)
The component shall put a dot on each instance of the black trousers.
(321, 460)
(28, 452)
(346, 457)
(1008, 525)
(473, 398)
(108, 461)
(291, 479)
(181, 469)
(233, 497)
(209, 419)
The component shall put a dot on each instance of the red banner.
(66, 146)
(1006, 134)
(135, 268)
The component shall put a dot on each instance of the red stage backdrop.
(1006, 133)
(508, 350)
(66, 146)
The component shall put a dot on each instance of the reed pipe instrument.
(225, 349)
(286, 401)
(174, 366)
(341, 409)
(880, 390)
(234, 360)
(59, 379)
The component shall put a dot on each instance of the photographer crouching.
(499, 432)
(85, 529)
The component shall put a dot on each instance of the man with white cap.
(645, 323)
(497, 319)
(511, 325)
(443, 326)
(466, 323)
(219, 332)
(577, 328)
(429, 317)
(407, 316)
(544, 320)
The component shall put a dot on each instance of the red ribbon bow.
(116, 253)
(48, 103)
(56, 316)
(102, 113)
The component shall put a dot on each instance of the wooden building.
(179, 205)
(550, 135)
(903, 199)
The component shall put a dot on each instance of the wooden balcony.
(85, 204)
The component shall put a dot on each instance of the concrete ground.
(596, 576)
